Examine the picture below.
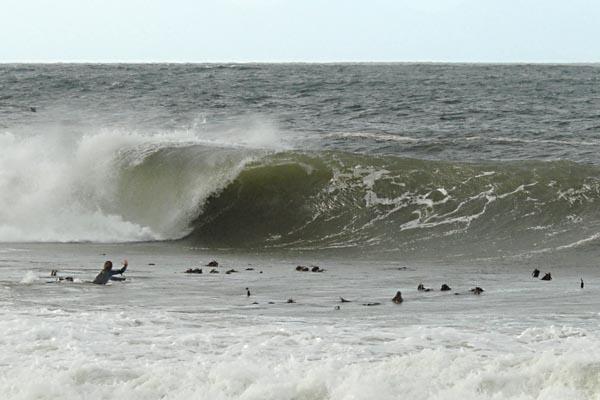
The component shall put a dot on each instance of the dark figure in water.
(107, 272)
(535, 273)
(247, 292)
(54, 274)
(422, 288)
(582, 283)
(477, 290)
(445, 288)
(547, 277)
(398, 298)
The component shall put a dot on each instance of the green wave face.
(264, 204)
(338, 200)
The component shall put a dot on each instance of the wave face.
(114, 186)
(330, 200)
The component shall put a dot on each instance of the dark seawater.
(411, 159)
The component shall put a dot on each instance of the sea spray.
(29, 278)
(109, 185)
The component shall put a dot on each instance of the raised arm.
(119, 271)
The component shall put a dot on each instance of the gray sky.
(300, 30)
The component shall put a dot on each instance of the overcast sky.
(300, 30)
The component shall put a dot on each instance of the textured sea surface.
(384, 175)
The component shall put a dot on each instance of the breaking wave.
(339, 200)
(119, 187)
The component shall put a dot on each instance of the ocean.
(385, 176)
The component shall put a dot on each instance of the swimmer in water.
(107, 272)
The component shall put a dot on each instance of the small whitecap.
(29, 278)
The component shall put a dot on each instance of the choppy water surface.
(387, 176)
(166, 334)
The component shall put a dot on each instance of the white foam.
(139, 357)
(520, 188)
(62, 185)
(169, 335)
(593, 238)
(29, 278)
(547, 141)
(374, 136)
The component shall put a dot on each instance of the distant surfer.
(547, 277)
(398, 298)
(477, 290)
(247, 292)
(422, 288)
(581, 283)
(54, 274)
(107, 272)
(535, 273)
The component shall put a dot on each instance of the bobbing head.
(107, 266)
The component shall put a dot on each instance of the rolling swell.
(336, 200)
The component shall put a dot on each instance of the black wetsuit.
(104, 276)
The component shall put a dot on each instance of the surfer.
(398, 298)
(422, 288)
(107, 272)
(477, 290)
(581, 283)
(547, 277)
(54, 274)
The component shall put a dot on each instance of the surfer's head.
(107, 266)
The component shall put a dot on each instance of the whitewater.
(385, 176)
(166, 334)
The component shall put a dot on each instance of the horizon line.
(514, 62)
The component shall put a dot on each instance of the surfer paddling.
(107, 273)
